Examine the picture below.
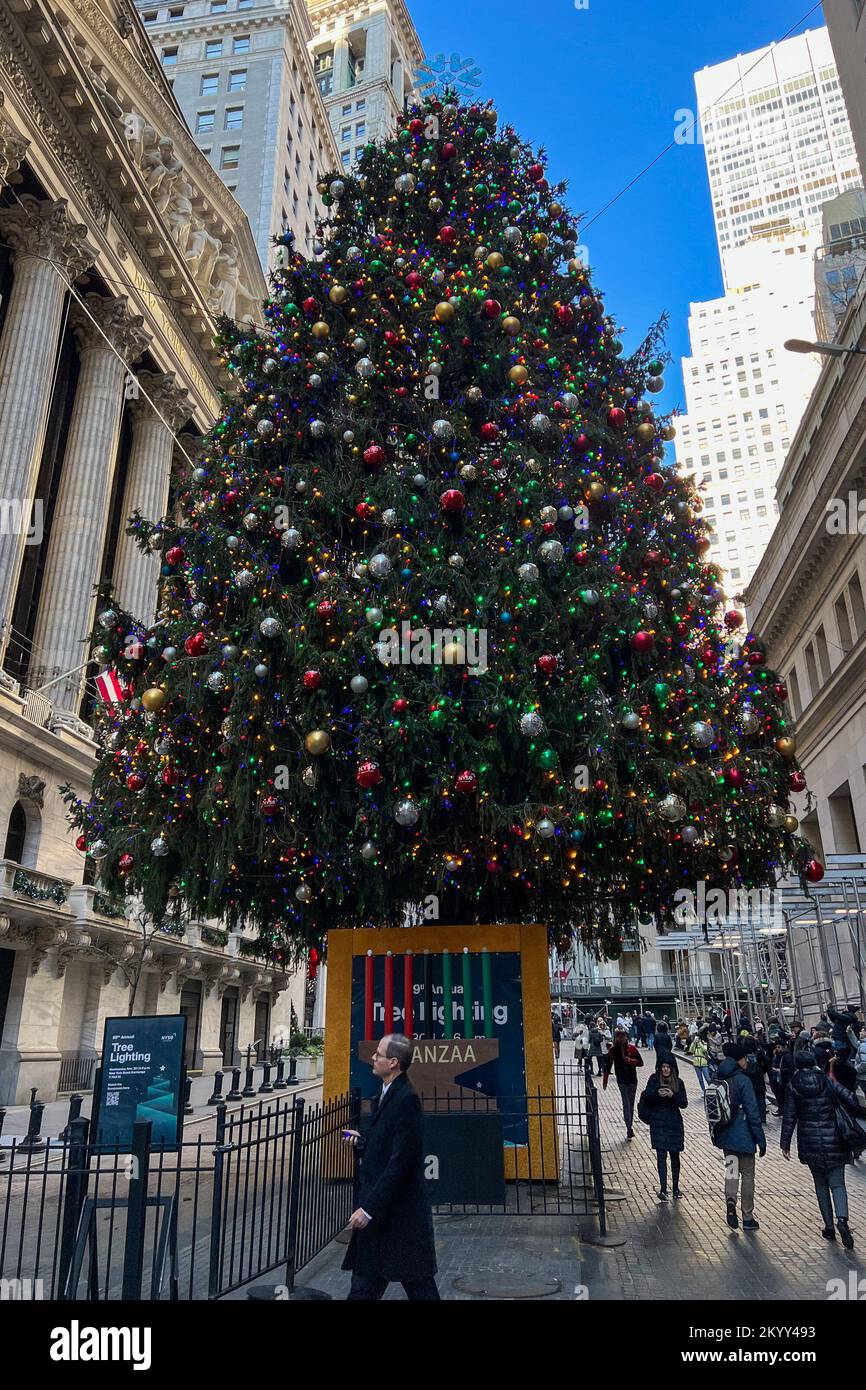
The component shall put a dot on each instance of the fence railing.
(77, 1070)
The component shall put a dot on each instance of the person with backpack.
(715, 1048)
(756, 1071)
(735, 1128)
(811, 1105)
(661, 1107)
(596, 1044)
(624, 1059)
(700, 1055)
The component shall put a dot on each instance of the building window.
(846, 640)
(234, 118)
(360, 130)
(359, 105)
(794, 688)
(230, 156)
(213, 48)
(238, 80)
(150, 16)
(218, 6)
(209, 84)
(324, 71)
(241, 44)
(176, 12)
(169, 57)
(346, 133)
(204, 122)
(245, 4)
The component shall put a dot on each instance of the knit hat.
(806, 1058)
(734, 1051)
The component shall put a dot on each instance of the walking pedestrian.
(700, 1055)
(392, 1227)
(557, 1035)
(810, 1108)
(756, 1071)
(781, 1070)
(624, 1059)
(664, 1042)
(660, 1107)
(596, 1045)
(739, 1137)
(640, 1029)
(581, 1041)
(715, 1048)
(650, 1024)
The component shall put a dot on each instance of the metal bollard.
(280, 1083)
(216, 1094)
(235, 1092)
(33, 1141)
(187, 1103)
(266, 1086)
(249, 1088)
(2, 1118)
(75, 1103)
(293, 1067)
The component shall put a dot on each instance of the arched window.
(16, 834)
(22, 835)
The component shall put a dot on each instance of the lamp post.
(826, 349)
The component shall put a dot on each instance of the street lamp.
(828, 349)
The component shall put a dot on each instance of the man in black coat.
(392, 1228)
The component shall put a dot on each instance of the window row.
(213, 49)
(210, 82)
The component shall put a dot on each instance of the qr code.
(113, 1098)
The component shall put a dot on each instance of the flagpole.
(74, 672)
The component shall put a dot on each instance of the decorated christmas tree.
(435, 620)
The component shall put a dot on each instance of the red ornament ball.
(168, 777)
(400, 705)
(581, 441)
(565, 315)
(814, 871)
(312, 680)
(364, 512)
(416, 127)
(135, 781)
(466, 781)
(195, 645)
(447, 235)
(797, 782)
(493, 866)
(414, 280)
(326, 608)
(174, 555)
(756, 658)
(780, 690)
(735, 776)
(310, 306)
(489, 431)
(491, 308)
(733, 619)
(81, 843)
(655, 481)
(547, 664)
(452, 501)
(374, 455)
(270, 805)
(616, 418)
(535, 172)
(642, 642)
(449, 149)
(369, 774)
(126, 864)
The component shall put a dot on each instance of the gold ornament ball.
(444, 312)
(518, 374)
(787, 746)
(646, 432)
(596, 491)
(495, 261)
(154, 699)
(317, 743)
(555, 209)
(791, 824)
(575, 267)
(669, 433)
(511, 325)
(338, 294)
(540, 241)
(320, 329)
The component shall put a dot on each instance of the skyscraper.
(778, 146)
(777, 139)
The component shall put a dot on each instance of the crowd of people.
(815, 1076)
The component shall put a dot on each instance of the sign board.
(463, 1159)
(141, 1077)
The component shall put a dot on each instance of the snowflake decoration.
(462, 75)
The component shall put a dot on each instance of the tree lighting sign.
(142, 1078)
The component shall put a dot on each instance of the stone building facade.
(118, 246)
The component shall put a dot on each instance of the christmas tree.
(436, 621)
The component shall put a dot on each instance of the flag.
(111, 688)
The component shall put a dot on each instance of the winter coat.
(699, 1052)
(859, 1053)
(715, 1047)
(596, 1042)
(625, 1071)
(662, 1113)
(781, 1069)
(398, 1243)
(842, 1020)
(664, 1046)
(557, 1029)
(745, 1132)
(581, 1040)
(810, 1106)
(823, 1049)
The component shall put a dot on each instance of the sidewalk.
(678, 1250)
(56, 1112)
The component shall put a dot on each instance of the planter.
(305, 1068)
(320, 1064)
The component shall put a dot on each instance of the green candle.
(447, 995)
(487, 992)
(468, 1025)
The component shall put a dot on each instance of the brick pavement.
(678, 1250)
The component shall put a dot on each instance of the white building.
(777, 139)
(243, 78)
(365, 57)
(745, 395)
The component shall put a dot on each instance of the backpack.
(717, 1104)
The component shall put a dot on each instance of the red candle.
(389, 993)
(368, 997)
(408, 1023)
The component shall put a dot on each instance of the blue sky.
(599, 88)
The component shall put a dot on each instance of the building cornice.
(341, 11)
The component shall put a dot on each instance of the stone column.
(108, 338)
(157, 414)
(13, 148)
(49, 251)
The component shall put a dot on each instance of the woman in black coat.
(810, 1107)
(664, 1044)
(659, 1107)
